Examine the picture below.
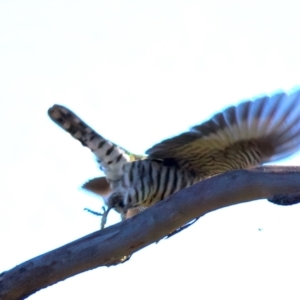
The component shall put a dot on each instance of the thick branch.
(109, 246)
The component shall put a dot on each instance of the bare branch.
(109, 246)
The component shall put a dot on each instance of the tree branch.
(109, 246)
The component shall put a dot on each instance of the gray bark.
(111, 245)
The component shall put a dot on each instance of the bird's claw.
(102, 214)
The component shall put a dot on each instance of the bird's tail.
(110, 157)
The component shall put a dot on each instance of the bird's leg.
(104, 217)
(95, 212)
(115, 201)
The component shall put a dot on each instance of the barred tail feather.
(110, 156)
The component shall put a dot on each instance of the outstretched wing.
(247, 135)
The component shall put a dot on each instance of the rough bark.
(110, 246)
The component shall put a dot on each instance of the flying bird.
(257, 131)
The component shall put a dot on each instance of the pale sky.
(139, 72)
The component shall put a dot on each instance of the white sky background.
(139, 72)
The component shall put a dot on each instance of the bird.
(256, 131)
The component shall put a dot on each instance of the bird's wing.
(98, 185)
(251, 133)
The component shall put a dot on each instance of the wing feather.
(254, 132)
